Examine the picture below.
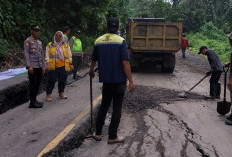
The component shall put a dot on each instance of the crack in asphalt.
(148, 98)
(183, 152)
(141, 134)
(138, 103)
(215, 151)
(159, 145)
(190, 136)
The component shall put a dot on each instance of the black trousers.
(215, 88)
(76, 60)
(116, 93)
(34, 83)
(59, 73)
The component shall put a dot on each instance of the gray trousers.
(76, 60)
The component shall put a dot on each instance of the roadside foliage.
(16, 17)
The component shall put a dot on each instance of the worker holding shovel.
(216, 70)
(110, 51)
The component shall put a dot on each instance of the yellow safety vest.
(52, 56)
(77, 45)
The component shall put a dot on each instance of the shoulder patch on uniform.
(26, 43)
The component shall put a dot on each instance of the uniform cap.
(66, 28)
(35, 28)
(77, 31)
(112, 22)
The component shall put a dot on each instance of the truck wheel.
(167, 70)
(133, 61)
(168, 65)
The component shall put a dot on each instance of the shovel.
(185, 94)
(91, 105)
(223, 107)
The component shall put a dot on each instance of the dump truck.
(153, 40)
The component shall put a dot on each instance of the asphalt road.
(156, 123)
(26, 132)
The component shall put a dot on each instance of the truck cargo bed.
(154, 35)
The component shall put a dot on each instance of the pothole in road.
(149, 97)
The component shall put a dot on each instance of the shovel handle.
(225, 71)
(198, 83)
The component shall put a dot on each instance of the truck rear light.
(170, 56)
(173, 56)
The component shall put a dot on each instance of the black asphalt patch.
(149, 97)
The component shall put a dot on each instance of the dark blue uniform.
(110, 50)
(217, 69)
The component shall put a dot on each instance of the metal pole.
(91, 103)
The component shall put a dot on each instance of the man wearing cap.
(35, 63)
(111, 53)
(76, 48)
(228, 120)
(216, 70)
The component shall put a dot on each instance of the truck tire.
(133, 62)
(168, 65)
(167, 70)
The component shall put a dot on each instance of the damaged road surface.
(157, 123)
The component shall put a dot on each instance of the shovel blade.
(223, 107)
(183, 95)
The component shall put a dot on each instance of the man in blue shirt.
(110, 51)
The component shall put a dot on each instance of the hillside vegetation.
(205, 21)
(212, 37)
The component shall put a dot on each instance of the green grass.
(213, 38)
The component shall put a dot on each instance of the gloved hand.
(208, 73)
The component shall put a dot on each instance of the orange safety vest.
(52, 56)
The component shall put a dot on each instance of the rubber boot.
(213, 90)
(218, 91)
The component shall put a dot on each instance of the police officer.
(110, 51)
(77, 55)
(35, 64)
